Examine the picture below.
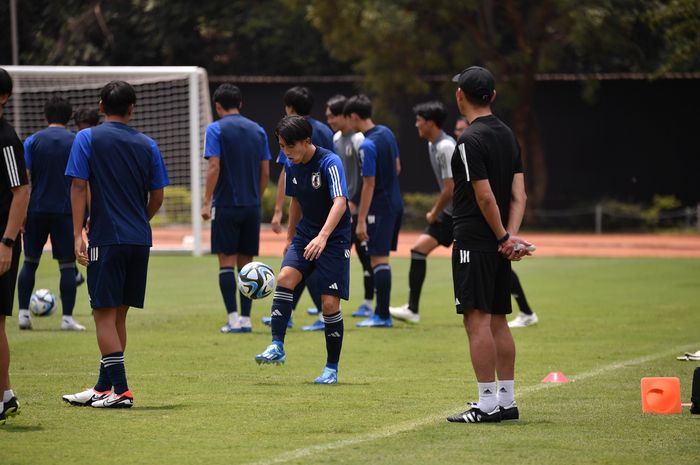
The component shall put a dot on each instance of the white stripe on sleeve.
(463, 154)
(11, 165)
(336, 190)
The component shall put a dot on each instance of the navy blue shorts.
(8, 281)
(383, 232)
(40, 226)
(332, 268)
(116, 275)
(481, 281)
(235, 230)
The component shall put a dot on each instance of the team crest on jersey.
(315, 180)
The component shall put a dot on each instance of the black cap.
(5, 82)
(477, 82)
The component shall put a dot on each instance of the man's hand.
(509, 250)
(81, 251)
(5, 258)
(277, 222)
(431, 217)
(314, 248)
(361, 230)
(206, 211)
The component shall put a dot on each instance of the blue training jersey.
(46, 156)
(122, 166)
(321, 136)
(315, 185)
(378, 153)
(241, 144)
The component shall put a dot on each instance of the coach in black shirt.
(14, 198)
(489, 202)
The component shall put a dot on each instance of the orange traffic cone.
(555, 377)
(661, 395)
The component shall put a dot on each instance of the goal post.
(173, 107)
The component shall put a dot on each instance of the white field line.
(411, 425)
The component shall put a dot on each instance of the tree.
(226, 37)
(678, 22)
(395, 43)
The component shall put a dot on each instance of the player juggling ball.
(318, 239)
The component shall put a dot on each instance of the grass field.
(200, 398)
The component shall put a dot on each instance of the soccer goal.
(172, 106)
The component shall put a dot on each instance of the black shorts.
(481, 281)
(8, 281)
(441, 230)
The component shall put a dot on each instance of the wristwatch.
(8, 241)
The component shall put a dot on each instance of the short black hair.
(434, 111)
(87, 115)
(300, 99)
(116, 97)
(58, 110)
(336, 104)
(5, 82)
(228, 96)
(293, 129)
(360, 104)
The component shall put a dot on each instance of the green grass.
(200, 398)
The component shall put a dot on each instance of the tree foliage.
(396, 43)
(393, 44)
(226, 37)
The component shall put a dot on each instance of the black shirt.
(487, 149)
(12, 170)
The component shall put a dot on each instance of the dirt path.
(548, 245)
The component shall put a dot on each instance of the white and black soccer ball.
(256, 280)
(42, 302)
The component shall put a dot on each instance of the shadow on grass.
(10, 428)
(160, 407)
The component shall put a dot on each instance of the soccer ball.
(42, 302)
(256, 280)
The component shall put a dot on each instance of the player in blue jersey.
(381, 206)
(127, 175)
(299, 100)
(49, 214)
(238, 171)
(318, 239)
(14, 197)
(347, 145)
(84, 118)
(430, 116)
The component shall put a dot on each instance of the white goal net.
(172, 107)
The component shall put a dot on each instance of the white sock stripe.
(418, 256)
(228, 270)
(381, 268)
(63, 266)
(107, 365)
(112, 359)
(283, 295)
(333, 318)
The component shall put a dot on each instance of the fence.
(602, 218)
